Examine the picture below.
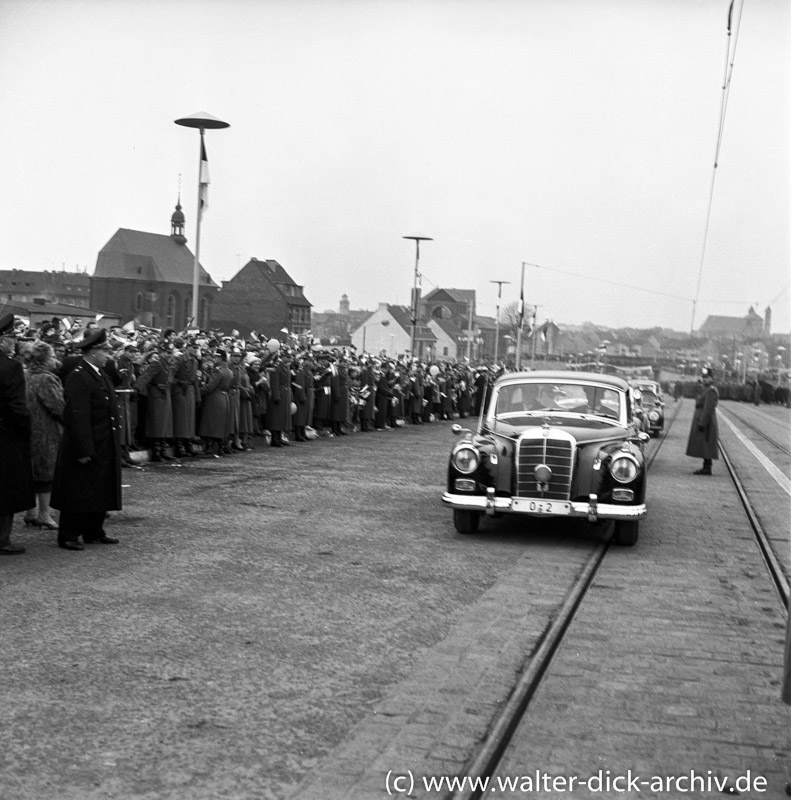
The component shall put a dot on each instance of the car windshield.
(519, 399)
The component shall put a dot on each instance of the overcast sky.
(577, 135)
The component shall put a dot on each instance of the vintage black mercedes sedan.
(552, 444)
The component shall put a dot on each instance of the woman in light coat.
(46, 403)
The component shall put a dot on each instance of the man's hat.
(6, 324)
(95, 340)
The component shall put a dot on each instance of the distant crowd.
(181, 394)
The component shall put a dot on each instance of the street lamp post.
(202, 121)
(497, 320)
(418, 238)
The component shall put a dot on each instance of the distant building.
(455, 304)
(23, 286)
(335, 327)
(451, 341)
(388, 330)
(262, 297)
(742, 328)
(147, 277)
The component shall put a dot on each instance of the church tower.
(177, 224)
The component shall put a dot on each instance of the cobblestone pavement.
(672, 665)
(674, 660)
(255, 612)
(298, 623)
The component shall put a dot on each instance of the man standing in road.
(88, 471)
(704, 433)
(16, 476)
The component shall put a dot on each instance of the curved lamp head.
(202, 120)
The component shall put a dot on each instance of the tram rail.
(773, 564)
(759, 432)
(500, 733)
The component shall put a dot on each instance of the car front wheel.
(626, 533)
(466, 521)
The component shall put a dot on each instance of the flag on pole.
(531, 325)
(204, 177)
(521, 308)
(544, 329)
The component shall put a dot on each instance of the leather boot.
(163, 451)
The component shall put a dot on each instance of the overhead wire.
(730, 58)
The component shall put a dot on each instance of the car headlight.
(466, 459)
(654, 416)
(624, 468)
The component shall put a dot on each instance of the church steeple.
(177, 224)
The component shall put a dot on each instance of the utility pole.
(521, 320)
(417, 238)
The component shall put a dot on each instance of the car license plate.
(547, 508)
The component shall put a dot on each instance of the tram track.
(773, 564)
(498, 737)
(759, 432)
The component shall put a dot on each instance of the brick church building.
(147, 277)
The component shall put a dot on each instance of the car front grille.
(557, 454)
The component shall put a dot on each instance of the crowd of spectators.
(207, 394)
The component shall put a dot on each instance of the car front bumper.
(591, 509)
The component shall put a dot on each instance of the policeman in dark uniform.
(88, 471)
(16, 474)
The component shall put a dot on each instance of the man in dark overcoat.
(481, 383)
(322, 392)
(155, 383)
(16, 474)
(384, 394)
(339, 397)
(88, 470)
(704, 433)
(415, 405)
(368, 395)
(278, 416)
(184, 394)
(302, 384)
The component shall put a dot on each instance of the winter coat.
(184, 395)
(46, 403)
(322, 392)
(246, 393)
(339, 394)
(91, 428)
(368, 394)
(155, 383)
(278, 415)
(16, 475)
(215, 412)
(384, 395)
(303, 397)
(704, 433)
